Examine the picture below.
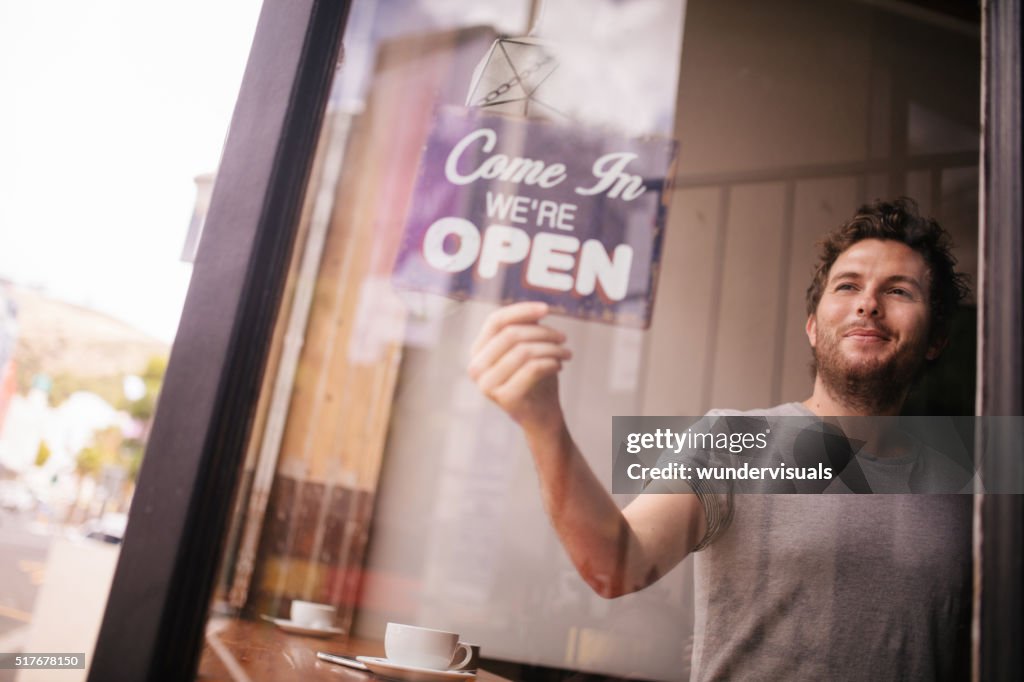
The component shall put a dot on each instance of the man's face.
(871, 325)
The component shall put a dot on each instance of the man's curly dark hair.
(899, 221)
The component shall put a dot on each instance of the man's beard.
(871, 386)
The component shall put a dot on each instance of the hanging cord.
(536, 17)
(492, 98)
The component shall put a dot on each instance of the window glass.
(381, 481)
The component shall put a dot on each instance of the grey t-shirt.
(834, 586)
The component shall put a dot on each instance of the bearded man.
(787, 586)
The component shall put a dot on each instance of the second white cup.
(426, 648)
(310, 614)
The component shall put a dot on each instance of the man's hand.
(515, 362)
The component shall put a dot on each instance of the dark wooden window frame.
(157, 609)
(999, 547)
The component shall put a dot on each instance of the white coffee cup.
(426, 648)
(474, 657)
(310, 614)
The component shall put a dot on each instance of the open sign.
(507, 209)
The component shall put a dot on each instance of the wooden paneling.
(820, 205)
(679, 328)
(318, 518)
(744, 347)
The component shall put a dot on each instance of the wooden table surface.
(237, 649)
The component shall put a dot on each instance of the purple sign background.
(606, 215)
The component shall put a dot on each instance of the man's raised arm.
(515, 362)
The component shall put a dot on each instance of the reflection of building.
(204, 190)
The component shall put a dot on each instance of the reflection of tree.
(109, 387)
(111, 460)
(142, 410)
(104, 450)
(64, 384)
(43, 453)
(109, 447)
(153, 376)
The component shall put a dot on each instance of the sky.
(108, 111)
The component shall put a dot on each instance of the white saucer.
(296, 629)
(408, 673)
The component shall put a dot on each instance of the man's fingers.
(512, 357)
(494, 349)
(517, 313)
(525, 377)
(517, 358)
